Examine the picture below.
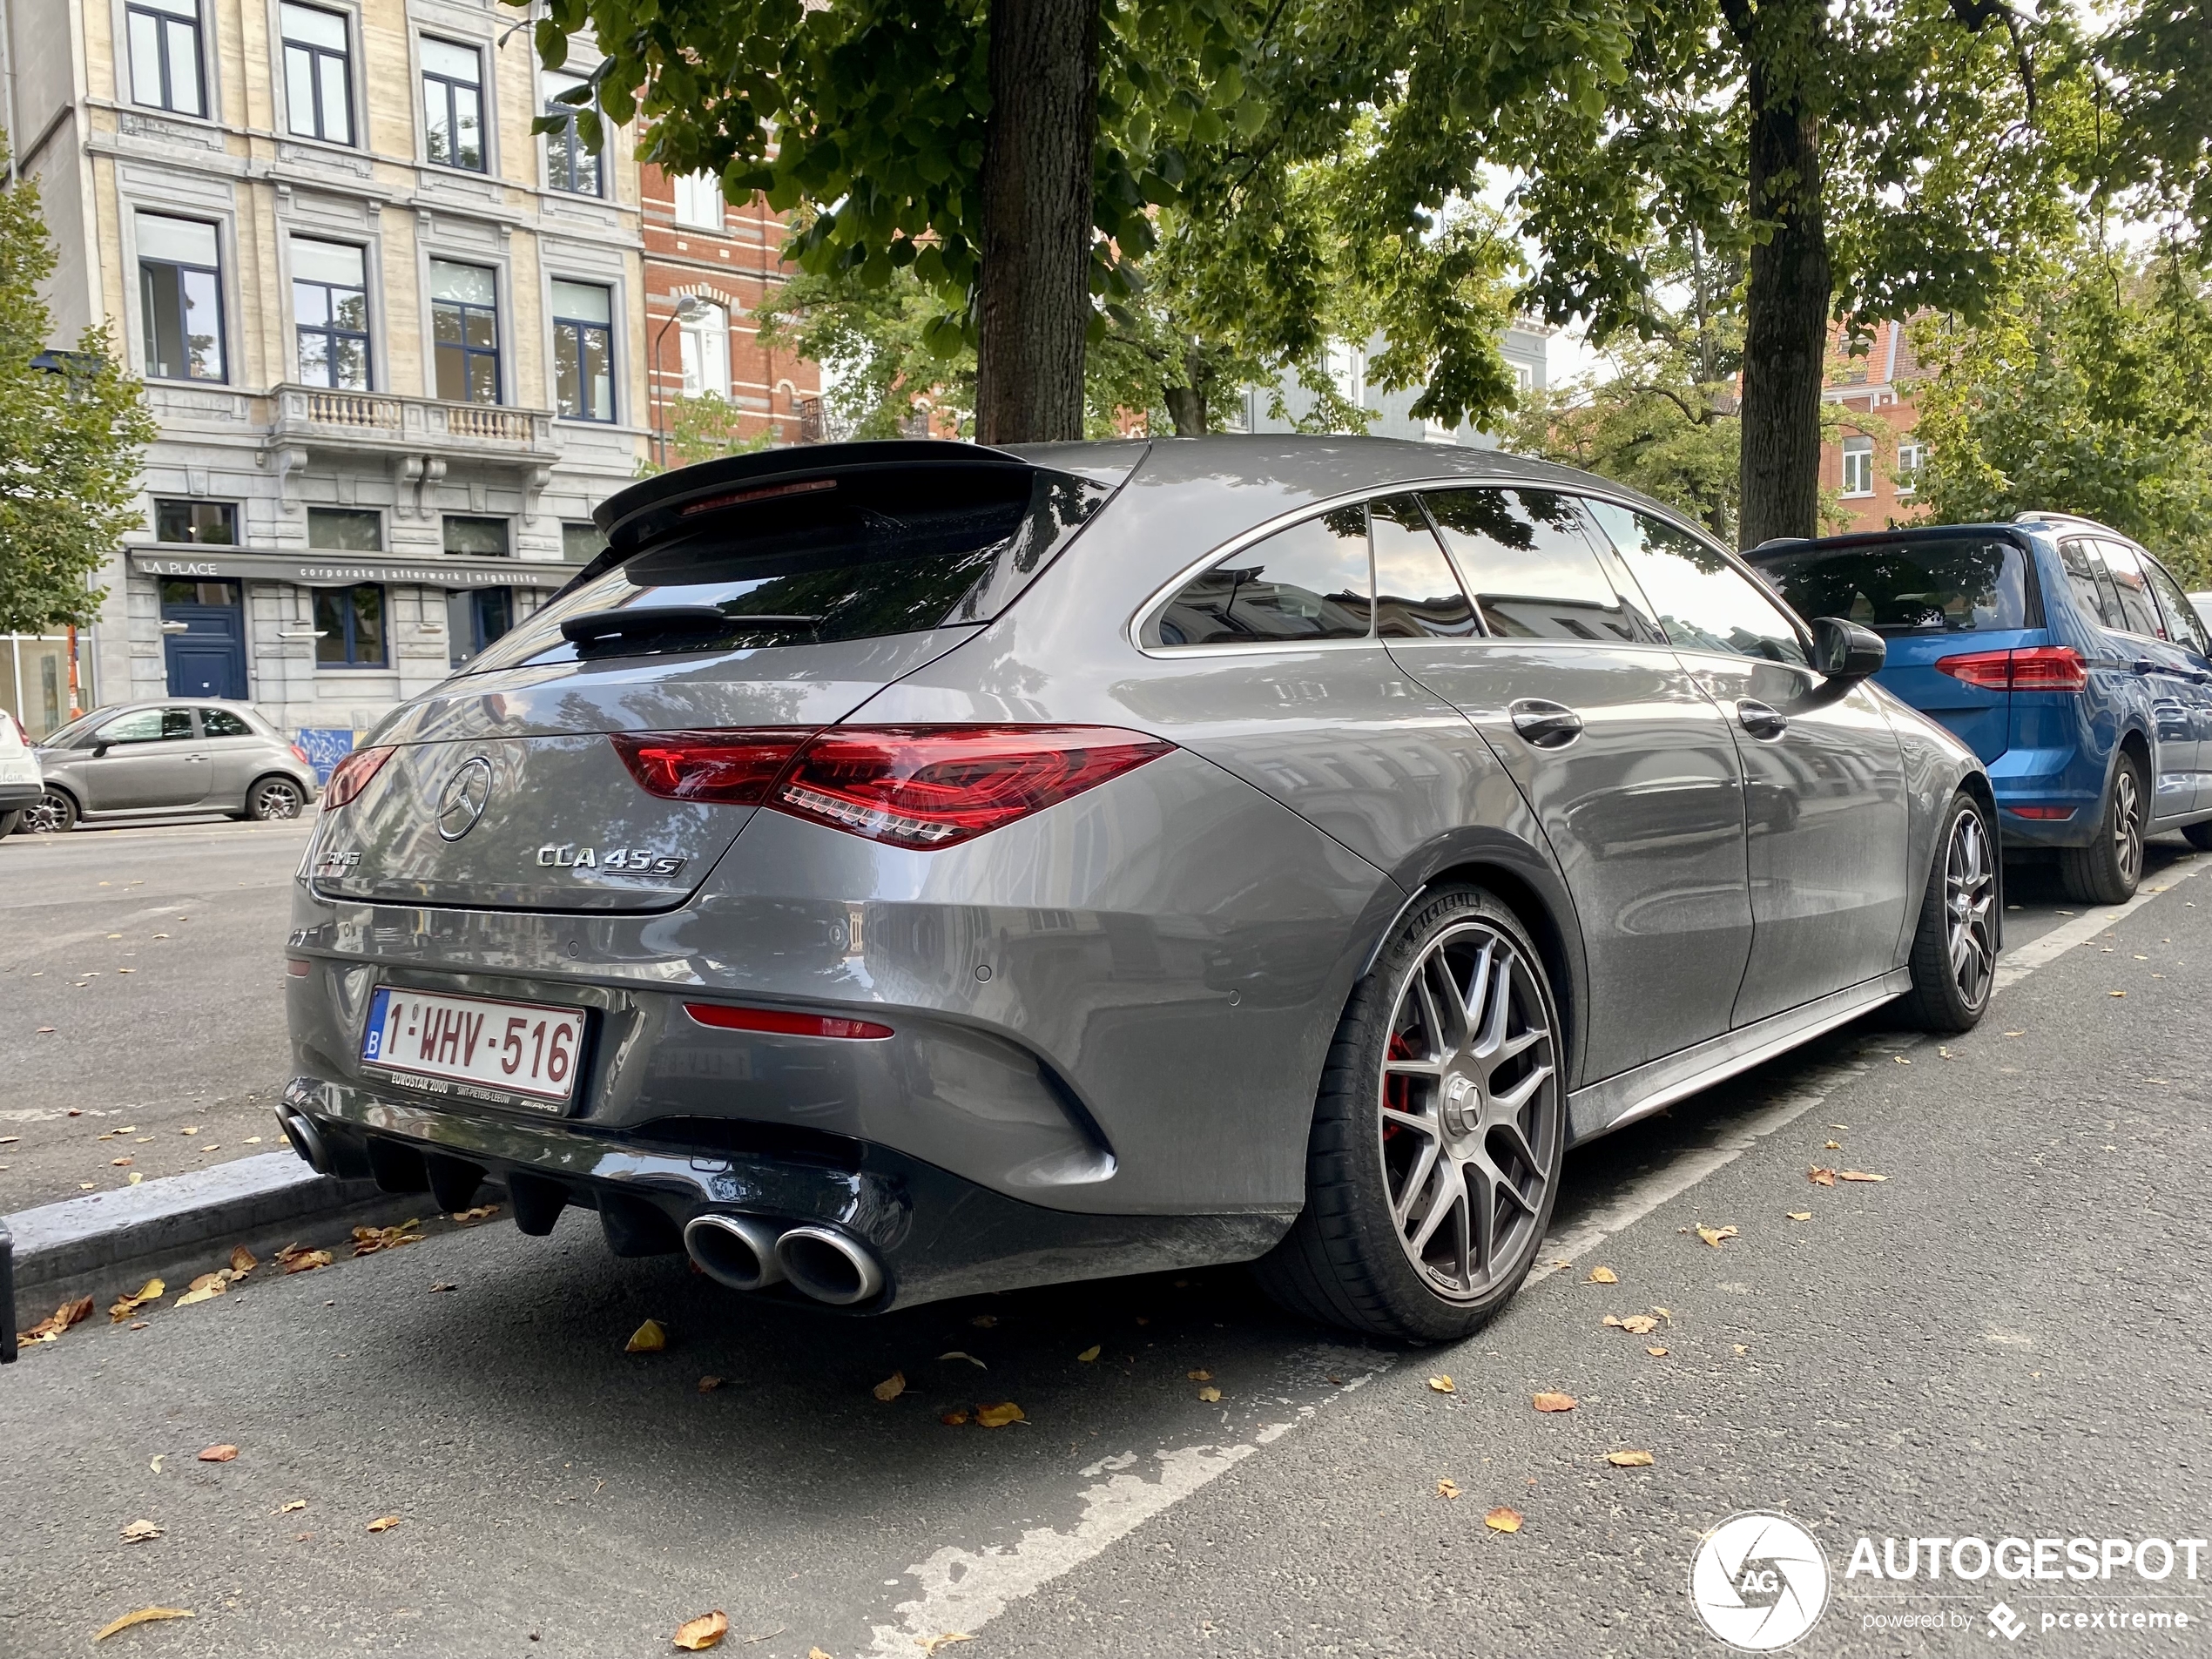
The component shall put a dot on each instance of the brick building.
(708, 264)
(1873, 467)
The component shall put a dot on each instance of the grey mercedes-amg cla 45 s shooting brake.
(895, 871)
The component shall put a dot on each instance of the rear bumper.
(16, 794)
(2047, 780)
(934, 1234)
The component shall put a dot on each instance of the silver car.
(21, 783)
(894, 871)
(155, 758)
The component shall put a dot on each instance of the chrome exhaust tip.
(829, 1266)
(306, 1139)
(736, 1250)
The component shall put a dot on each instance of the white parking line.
(964, 1589)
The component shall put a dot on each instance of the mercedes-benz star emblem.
(462, 802)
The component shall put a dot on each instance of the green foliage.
(2088, 388)
(704, 428)
(2156, 160)
(69, 442)
(878, 370)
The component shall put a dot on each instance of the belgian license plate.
(475, 1045)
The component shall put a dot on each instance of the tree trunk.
(1187, 404)
(1033, 291)
(1786, 332)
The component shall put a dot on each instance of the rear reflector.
(2038, 667)
(2050, 813)
(784, 1024)
(352, 776)
(298, 968)
(917, 786)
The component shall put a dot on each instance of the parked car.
(2200, 603)
(155, 758)
(2061, 651)
(895, 871)
(21, 783)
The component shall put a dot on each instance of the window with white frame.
(1858, 466)
(180, 298)
(318, 74)
(570, 164)
(1911, 455)
(705, 341)
(699, 200)
(330, 311)
(165, 73)
(583, 352)
(453, 105)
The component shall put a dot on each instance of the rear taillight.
(784, 1023)
(22, 736)
(2035, 668)
(300, 755)
(921, 786)
(351, 776)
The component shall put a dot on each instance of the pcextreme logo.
(1759, 1582)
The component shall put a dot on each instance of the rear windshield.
(1918, 587)
(893, 551)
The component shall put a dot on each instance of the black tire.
(53, 813)
(1954, 945)
(1348, 1260)
(2107, 870)
(9, 822)
(274, 798)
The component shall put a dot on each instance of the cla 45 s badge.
(620, 860)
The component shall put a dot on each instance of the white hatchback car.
(21, 783)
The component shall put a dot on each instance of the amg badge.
(621, 860)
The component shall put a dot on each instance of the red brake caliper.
(1396, 1089)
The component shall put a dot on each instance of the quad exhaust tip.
(736, 1250)
(829, 1266)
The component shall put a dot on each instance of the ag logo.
(1759, 1582)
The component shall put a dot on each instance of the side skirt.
(1604, 1107)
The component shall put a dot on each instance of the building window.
(706, 342)
(345, 529)
(475, 538)
(199, 523)
(570, 164)
(1911, 457)
(582, 542)
(330, 306)
(181, 292)
(1858, 466)
(474, 619)
(350, 624)
(318, 78)
(464, 321)
(699, 200)
(453, 105)
(583, 352)
(165, 56)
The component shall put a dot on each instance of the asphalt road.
(141, 989)
(2007, 1335)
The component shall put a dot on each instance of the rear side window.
(1416, 597)
(1532, 570)
(221, 723)
(2091, 582)
(1309, 582)
(2138, 611)
(1970, 584)
(1702, 601)
(2183, 625)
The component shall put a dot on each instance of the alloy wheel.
(2128, 824)
(275, 799)
(47, 815)
(1470, 1112)
(1969, 896)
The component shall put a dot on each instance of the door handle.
(1762, 722)
(1545, 725)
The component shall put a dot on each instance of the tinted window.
(1416, 594)
(1908, 587)
(1308, 582)
(148, 726)
(221, 723)
(2183, 624)
(1702, 601)
(1531, 569)
(2092, 587)
(2138, 611)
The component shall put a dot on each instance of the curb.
(171, 1216)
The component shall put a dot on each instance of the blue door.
(207, 654)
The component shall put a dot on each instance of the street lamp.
(689, 307)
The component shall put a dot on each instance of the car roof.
(1908, 534)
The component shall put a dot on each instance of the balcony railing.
(310, 414)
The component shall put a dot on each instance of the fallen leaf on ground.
(50, 1328)
(930, 1645)
(1088, 1354)
(2016, 1034)
(1628, 1460)
(1199, 1376)
(144, 1615)
(1799, 1214)
(1210, 1395)
(294, 1508)
(697, 1635)
(206, 1288)
(1657, 1353)
(1821, 1177)
(222, 1453)
(971, 1359)
(999, 1416)
(1741, 1350)
(139, 1531)
(482, 1212)
(1714, 1235)
(2116, 992)
(126, 1306)
(156, 1465)
(242, 1261)
(1858, 1175)
(1502, 1520)
(1636, 1324)
(297, 1259)
(442, 1286)
(1554, 1402)
(369, 1240)
(648, 1337)
(135, 1178)
(953, 1419)
(892, 1386)
(383, 1524)
(1447, 1488)
(708, 1384)
(1900, 1060)
(1603, 1276)
(1442, 1384)
(1831, 1146)
(816, 1653)
(121, 1164)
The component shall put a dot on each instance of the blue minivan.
(2068, 658)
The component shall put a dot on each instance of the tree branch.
(1976, 14)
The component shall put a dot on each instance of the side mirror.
(99, 748)
(1843, 651)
